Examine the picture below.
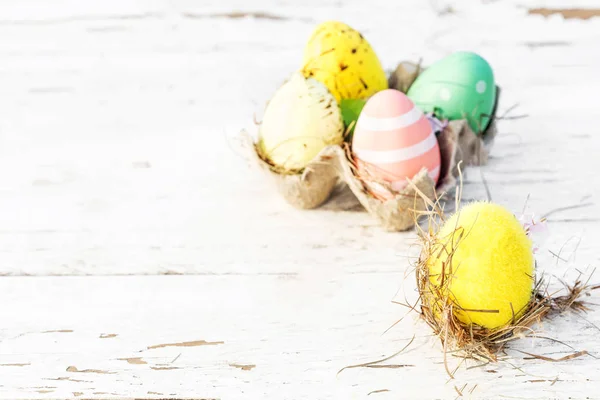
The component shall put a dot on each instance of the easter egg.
(300, 120)
(483, 261)
(342, 59)
(392, 142)
(459, 86)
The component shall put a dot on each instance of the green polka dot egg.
(456, 87)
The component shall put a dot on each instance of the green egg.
(456, 87)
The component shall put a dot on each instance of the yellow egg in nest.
(481, 263)
(342, 59)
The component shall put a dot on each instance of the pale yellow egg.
(301, 119)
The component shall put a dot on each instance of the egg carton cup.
(404, 76)
(305, 190)
(314, 185)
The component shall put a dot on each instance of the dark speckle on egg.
(327, 51)
(364, 84)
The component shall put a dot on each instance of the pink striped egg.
(393, 141)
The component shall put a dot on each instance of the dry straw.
(469, 341)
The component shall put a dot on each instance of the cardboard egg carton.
(459, 146)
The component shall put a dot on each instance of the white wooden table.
(142, 258)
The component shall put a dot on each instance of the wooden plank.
(283, 336)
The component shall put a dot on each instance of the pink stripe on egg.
(391, 123)
(365, 139)
(388, 103)
(397, 155)
(435, 174)
(409, 167)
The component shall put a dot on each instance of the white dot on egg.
(445, 94)
(480, 87)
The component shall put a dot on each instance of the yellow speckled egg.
(342, 59)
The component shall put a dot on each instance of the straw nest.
(470, 341)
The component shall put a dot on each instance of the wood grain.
(281, 338)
